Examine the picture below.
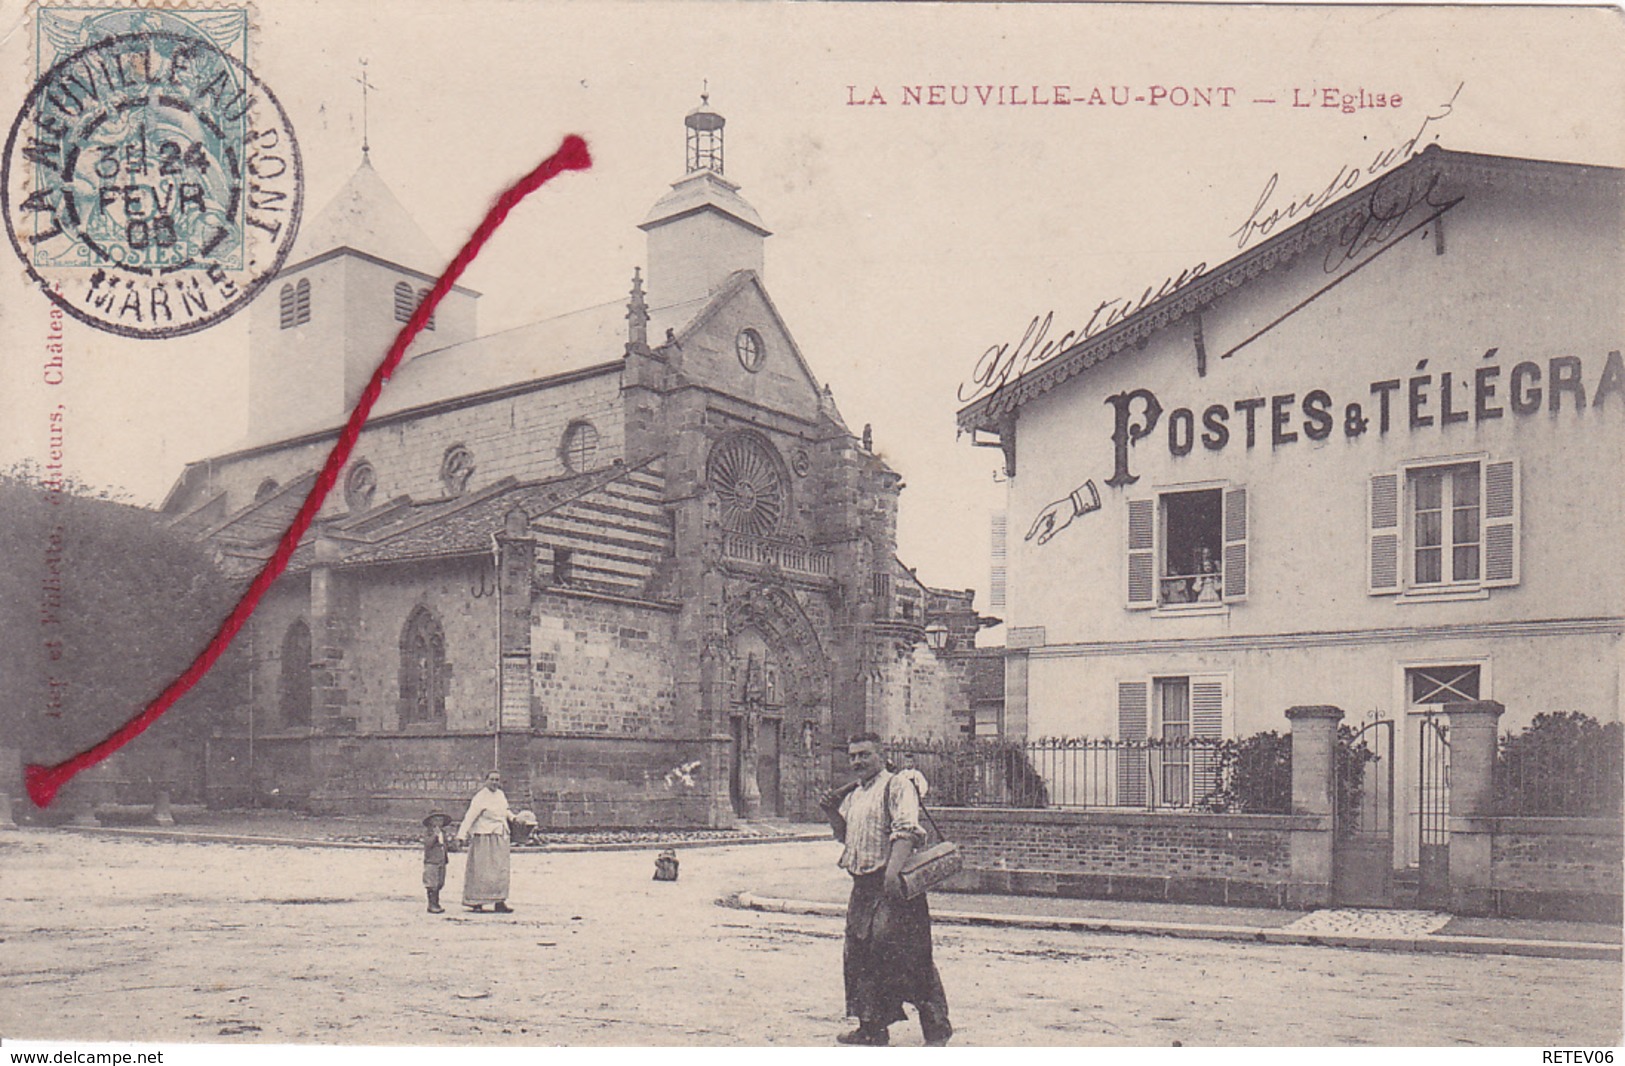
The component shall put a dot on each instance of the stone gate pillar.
(1314, 753)
(1473, 731)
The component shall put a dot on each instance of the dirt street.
(140, 940)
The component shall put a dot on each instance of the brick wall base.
(1107, 854)
(1559, 868)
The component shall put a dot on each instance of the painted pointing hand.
(1082, 500)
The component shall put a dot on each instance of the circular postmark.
(151, 184)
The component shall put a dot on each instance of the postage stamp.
(152, 184)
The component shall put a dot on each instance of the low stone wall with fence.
(1184, 857)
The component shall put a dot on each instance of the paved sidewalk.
(1384, 930)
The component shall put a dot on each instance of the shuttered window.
(1133, 722)
(1443, 527)
(1382, 535)
(1142, 555)
(1187, 548)
(1501, 521)
(1169, 721)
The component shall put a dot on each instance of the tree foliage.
(1255, 774)
(1562, 763)
(102, 606)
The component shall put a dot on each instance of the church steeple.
(356, 273)
(701, 231)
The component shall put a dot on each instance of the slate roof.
(1280, 249)
(698, 191)
(404, 530)
(579, 340)
(366, 216)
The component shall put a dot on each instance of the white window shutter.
(1210, 714)
(1142, 554)
(1133, 725)
(1235, 543)
(1502, 547)
(1382, 535)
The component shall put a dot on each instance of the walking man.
(887, 957)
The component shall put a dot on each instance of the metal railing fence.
(1191, 773)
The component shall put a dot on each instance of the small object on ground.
(666, 866)
(474, 993)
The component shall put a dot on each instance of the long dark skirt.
(888, 960)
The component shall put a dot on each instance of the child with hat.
(434, 857)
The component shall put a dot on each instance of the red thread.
(44, 781)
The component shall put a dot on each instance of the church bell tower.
(702, 230)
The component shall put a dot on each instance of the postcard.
(723, 524)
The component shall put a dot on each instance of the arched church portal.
(777, 704)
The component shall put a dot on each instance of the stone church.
(632, 556)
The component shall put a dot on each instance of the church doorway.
(776, 699)
(769, 800)
(756, 717)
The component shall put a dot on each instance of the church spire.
(366, 85)
(637, 313)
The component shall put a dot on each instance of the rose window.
(750, 485)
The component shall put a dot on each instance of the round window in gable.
(579, 447)
(456, 469)
(748, 346)
(360, 486)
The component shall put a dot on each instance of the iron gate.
(1363, 816)
(1432, 811)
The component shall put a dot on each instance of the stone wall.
(1557, 867)
(602, 667)
(920, 696)
(578, 781)
(519, 435)
(569, 781)
(1100, 854)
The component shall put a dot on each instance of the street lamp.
(936, 635)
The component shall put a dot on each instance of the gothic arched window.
(750, 483)
(423, 669)
(294, 681)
